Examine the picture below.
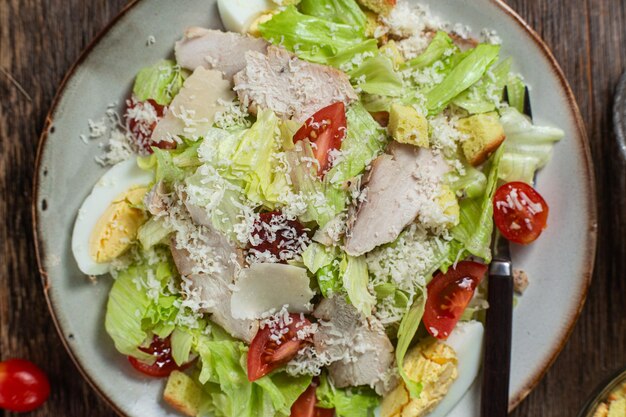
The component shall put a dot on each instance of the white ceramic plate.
(559, 264)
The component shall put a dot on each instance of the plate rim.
(582, 141)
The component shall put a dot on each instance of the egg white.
(115, 181)
(467, 342)
(238, 15)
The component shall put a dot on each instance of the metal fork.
(498, 326)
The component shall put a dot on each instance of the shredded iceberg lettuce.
(338, 11)
(357, 402)
(253, 161)
(377, 76)
(319, 38)
(463, 75)
(312, 38)
(485, 96)
(441, 45)
(160, 82)
(473, 233)
(527, 147)
(355, 280)
(406, 333)
(225, 382)
(139, 304)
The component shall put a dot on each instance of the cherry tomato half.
(448, 296)
(266, 354)
(142, 118)
(305, 405)
(520, 212)
(164, 363)
(23, 386)
(279, 237)
(326, 130)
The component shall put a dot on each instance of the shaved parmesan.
(265, 287)
(192, 113)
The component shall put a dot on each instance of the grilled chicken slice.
(214, 49)
(208, 287)
(401, 186)
(292, 88)
(362, 351)
(157, 199)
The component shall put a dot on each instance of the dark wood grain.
(40, 39)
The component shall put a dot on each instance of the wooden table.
(39, 41)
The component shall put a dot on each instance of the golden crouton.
(182, 393)
(406, 125)
(485, 135)
(382, 7)
(448, 202)
(371, 24)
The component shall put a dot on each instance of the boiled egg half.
(238, 15)
(467, 342)
(108, 219)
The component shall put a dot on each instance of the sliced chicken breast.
(292, 88)
(362, 352)
(402, 185)
(208, 287)
(214, 49)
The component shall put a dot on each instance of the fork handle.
(498, 330)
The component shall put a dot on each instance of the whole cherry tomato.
(23, 386)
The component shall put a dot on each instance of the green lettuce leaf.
(485, 95)
(160, 82)
(473, 233)
(471, 185)
(377, 76)
(436, 50)
(464, 74)
(253, 162)
(316, 256)
(527, 147)
(338, 11)
(153, 232)
(323, 201)
(406, 333)
(352, 57)
(172, 165)
(223, 374)
(312, 38)
(139, 304)
(181, 342)
(355, 402)
(355, 278)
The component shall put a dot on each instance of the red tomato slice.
(266, 354)
(326, 130)
(305, 405)
(448, 296)
(164, 363)
(141, 120)
(281, 238)
(520, 212)
(23, 386)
